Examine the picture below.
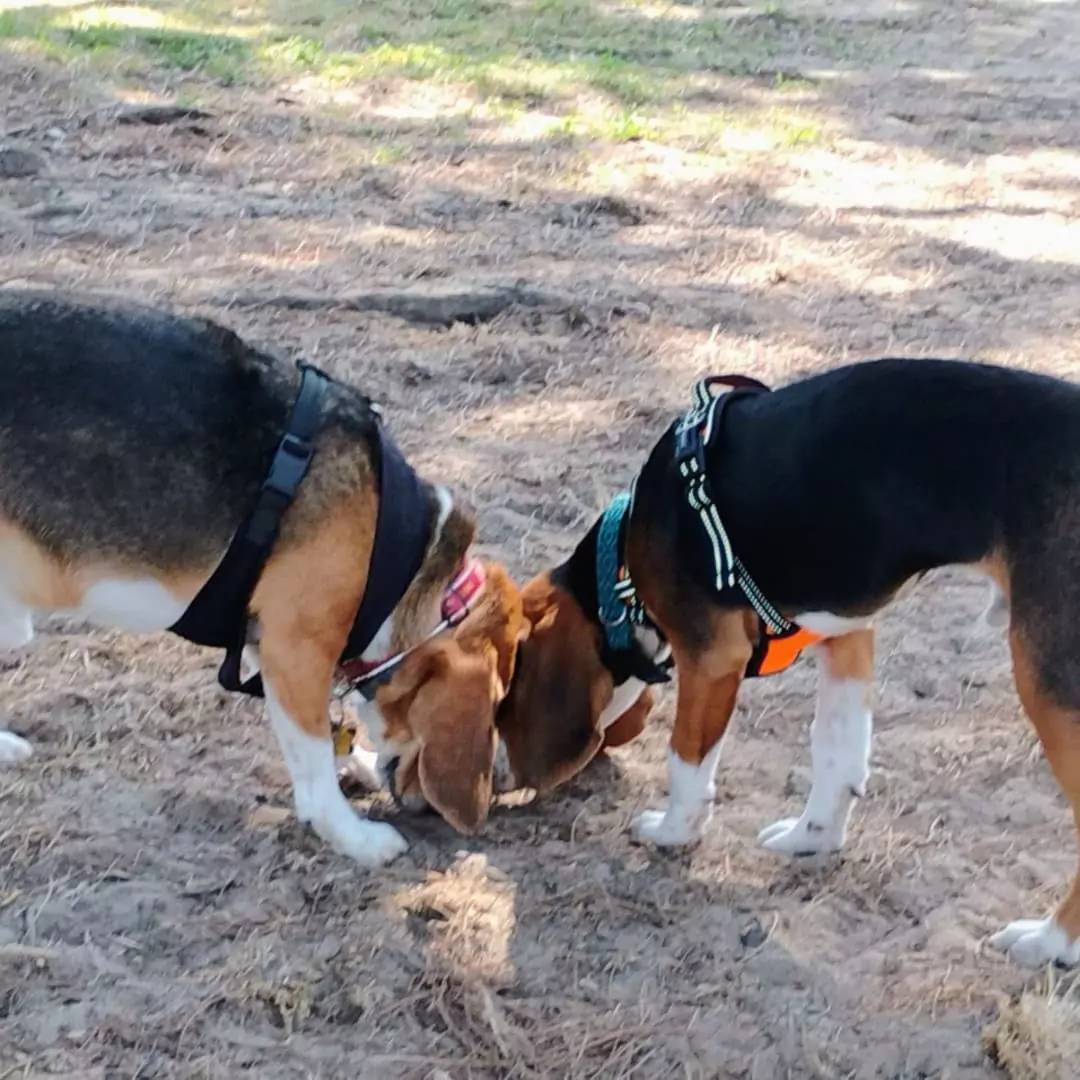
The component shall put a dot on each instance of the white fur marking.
(139, 606)
(361, 766)
(318, 798)
(828, 625)
(16, 624)
(502, 775)
(840, 750)
(13, 748)
(367, 712)
(249, 662)
(622, 699)
(996, 614)
(445, 498)
(689, 809)
(1034, 943)
(380, 643)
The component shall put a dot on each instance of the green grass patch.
(586, 71)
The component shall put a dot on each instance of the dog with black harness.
(159, 473)
(765, 522)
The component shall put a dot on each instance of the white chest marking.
(621, 700)
(827, 624)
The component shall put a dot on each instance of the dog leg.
(839, 747)
(708, 685)
(298, 713)
(16, 630)
(1056, 938)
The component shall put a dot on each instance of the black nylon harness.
(218, 615)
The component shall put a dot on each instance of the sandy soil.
(161, 915)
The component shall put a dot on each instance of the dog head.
(563, 706)
(436, 714)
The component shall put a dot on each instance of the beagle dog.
(433, 722)
(159, 473)
(763, 522)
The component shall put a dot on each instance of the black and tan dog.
(156, 473)
(763, 522)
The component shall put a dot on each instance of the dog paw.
(14, 749)
(361, 767)
(1034, 943)
(664, 829)
(800, 838)
(370, 843)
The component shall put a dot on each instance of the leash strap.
(218, 614)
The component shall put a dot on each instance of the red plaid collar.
(362, 675)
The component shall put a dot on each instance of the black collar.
(402, 531)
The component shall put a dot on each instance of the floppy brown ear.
(497, 622)
(549, 720)
(453, 716)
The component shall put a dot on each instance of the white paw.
(370, 843)
(665, 829)
(14, 749)
(361, 766)
(1035, 943)
(798, 837)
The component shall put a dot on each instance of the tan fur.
(43, 583)
(1059, 732)
(305, 603)
(849, 656)
(708, 683)
(549, 720)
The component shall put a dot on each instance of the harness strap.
(692, 436)
(230, 586)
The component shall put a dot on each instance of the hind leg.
(1056, 938)
(16, 630)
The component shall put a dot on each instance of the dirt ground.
(905, 178)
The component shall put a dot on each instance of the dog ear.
(452, 714)
(549, 719)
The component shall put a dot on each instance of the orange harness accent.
(777, 652)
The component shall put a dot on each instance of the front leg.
(709, 682)
(839, 747)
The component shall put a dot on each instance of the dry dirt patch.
(604, 200)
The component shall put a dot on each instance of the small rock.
(797, 783)
(753, 934)
(268, 817)
(923, 687)
(16, 163)
(328, 948)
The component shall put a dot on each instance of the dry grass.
(767, 188)
(1037, 1036)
